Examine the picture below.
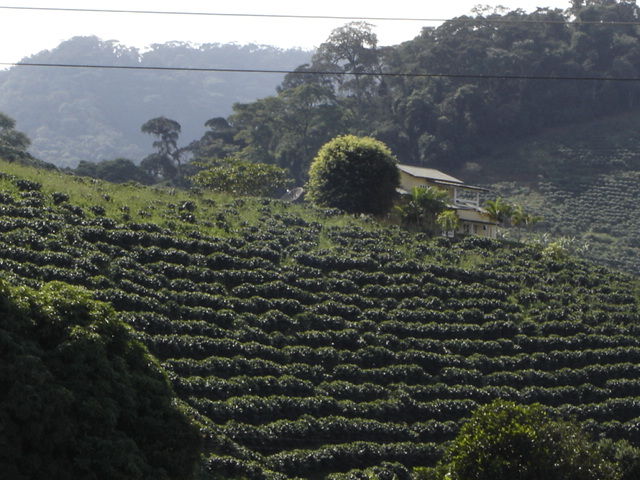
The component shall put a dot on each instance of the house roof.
(430, 173)
(438, 177)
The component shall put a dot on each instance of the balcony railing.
(472, 200)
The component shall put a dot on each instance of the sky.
(24, 33)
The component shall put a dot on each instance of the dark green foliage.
(219, 141)
(288, 129)
(450, 122)
(166, 162)
(503, 441)
(27, 185)
(624, 455)
(355, 174)
(98, 210)
(13, 144)
(119, 170)
(420, 209)
(59, 197)
(600, 211)
(80, 398)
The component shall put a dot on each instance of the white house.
(463, 198)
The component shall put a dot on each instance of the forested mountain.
(455, 99)
(93, 114)
(304, 343)
(455, 92)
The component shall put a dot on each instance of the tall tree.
(289, 128)
(13, 144)
(219, 141)
(352, 56)
(167, 160)
(450, 120)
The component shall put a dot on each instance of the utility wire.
(323, 17)
(326, 72)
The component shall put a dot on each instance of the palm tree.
(499, 210)
(448, 221)
(521, 218)
(422, 206)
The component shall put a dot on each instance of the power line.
(222, 14)
(322, 17)
(327, 72)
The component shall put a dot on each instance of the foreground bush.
(505, 441)
(79, 398)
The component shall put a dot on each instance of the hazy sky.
(26, 32)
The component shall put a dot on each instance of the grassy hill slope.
(583, 180)
(311, 344)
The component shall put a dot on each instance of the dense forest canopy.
(451, 102)
(93, 114)
(450, 105)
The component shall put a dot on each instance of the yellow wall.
(473, 222)
(407, 182)
(478, 229)
(473, 216)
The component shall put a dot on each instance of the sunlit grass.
(181, 211)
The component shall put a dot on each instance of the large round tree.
(355, 174)
(80, 397)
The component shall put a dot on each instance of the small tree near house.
(241, 177)
(448, 221)
(421, 208)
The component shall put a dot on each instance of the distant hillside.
(583, 180)
(79, 114)
(308, 343)
(455, 93)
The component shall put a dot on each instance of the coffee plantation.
(310, 344)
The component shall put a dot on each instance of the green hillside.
(310, 344)
(583, 180)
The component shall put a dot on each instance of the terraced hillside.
(602, 211)
(311, 344)
(583, 180)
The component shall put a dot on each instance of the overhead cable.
(327, 72)
(323, 17)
